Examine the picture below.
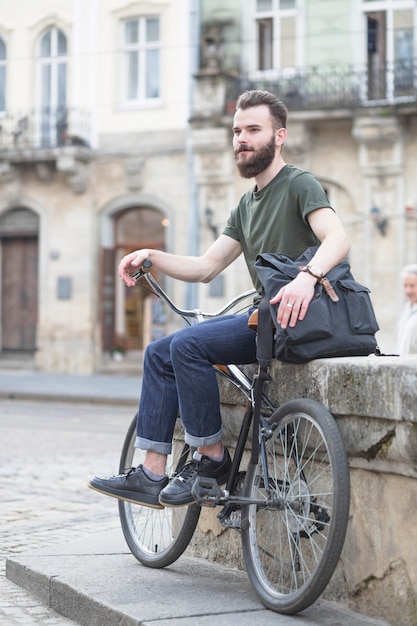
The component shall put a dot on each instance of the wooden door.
(107, 297)
(19, 301)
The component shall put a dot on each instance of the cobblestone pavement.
(48, 451)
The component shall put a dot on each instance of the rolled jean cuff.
(194, 442)
(155, 446)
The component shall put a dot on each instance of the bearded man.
(286, 212)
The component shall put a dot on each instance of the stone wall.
(374, 400)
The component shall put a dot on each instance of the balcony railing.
(333, 87)
(44, 129)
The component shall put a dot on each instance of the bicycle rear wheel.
(292, 544)
(156, 537)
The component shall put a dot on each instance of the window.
(141, 59)
(52, 76)
(390, 49)
(276, 25)
(265, 43)
(403, 52)
(2, 75)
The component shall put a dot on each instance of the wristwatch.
(317, 272)
(314, 270)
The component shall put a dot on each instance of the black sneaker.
(178, 492)
(134, 486)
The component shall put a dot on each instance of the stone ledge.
(374, 400)
(381, 387)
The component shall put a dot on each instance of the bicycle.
(290, 506)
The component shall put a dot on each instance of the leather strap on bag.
(328, 288)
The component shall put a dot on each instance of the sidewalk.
(95, 580)
(98, 388)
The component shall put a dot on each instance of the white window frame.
(141, 48)
(251, 61)
(389, 6)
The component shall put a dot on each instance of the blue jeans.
(178, 378)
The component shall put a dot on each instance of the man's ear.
(280, 136)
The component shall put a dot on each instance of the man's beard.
(257, 162)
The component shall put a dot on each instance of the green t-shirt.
(274, 218)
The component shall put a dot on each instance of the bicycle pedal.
(230, 516)
(207, 492)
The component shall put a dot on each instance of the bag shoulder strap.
(264, 357)
(264, 333)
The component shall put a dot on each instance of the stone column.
(381, 158)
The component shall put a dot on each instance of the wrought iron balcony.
(43, 129)
(336, 87)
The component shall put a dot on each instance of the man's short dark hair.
(256, 97)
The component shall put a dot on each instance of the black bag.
(329, 329)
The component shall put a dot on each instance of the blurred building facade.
(115, 134)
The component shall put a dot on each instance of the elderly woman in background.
(407, 328)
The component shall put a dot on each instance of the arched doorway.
(19, 279)
(125, 311)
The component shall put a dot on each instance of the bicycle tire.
(156, 537)
(292, 548)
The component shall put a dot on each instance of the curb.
(49, 397)
(96, 581)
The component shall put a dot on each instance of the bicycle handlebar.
(194, 313)
(146, 267)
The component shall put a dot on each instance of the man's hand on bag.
(294, 299)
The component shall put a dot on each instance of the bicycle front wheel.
(156, 537)
(292, 542)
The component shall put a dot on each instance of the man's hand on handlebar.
(131, 264)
